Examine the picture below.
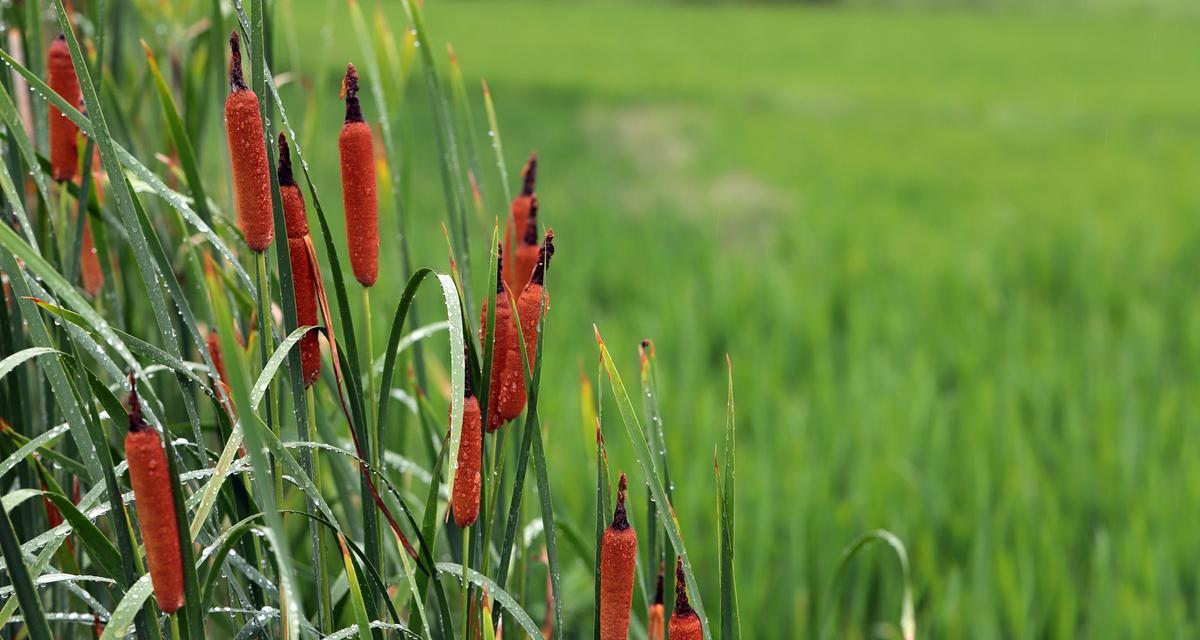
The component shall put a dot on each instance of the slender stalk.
(466, 586)
(374, 429)
(324, 598)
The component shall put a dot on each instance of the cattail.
(529, 305)
(89, 263)
(618, 560)
(152, 493)
(527, 252)
(60, 75)
(303, 272)
(358, 186)
(506, 395)
(214, 351)
(685, 624)
(470, 451)
(523, 202)
(248, 156)
(654, 617)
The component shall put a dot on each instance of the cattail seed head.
(304, 275)
(248, 156)
(155, 504)
(294, 213)
(654, 616)
(618, 561)
(529, 305)
(60, 75)
(89, 263)
(470, 452)
(527, 251)
(684, 624)
(359, 199)
(506, 395)
(519, 220)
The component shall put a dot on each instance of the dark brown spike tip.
(350, 87)
(286, 179)
(531, 224)
(499, 269)
(658, 589)
(237, 82)
(682, 606)
(544, 255)
(530, 175)
(62, 37)
(620, 517)
(468, 379)
(136, 422)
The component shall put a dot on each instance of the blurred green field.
(952, 256)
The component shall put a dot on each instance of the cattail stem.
(320, 545)
(264, 326)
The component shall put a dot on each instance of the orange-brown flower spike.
(304, 272)
(520, 205)
(470, 456)
(357, 149)
(60, 75)
(214, 352)
(527, 252)
(618, 561)
(684, 624)
(294, 213)
(90, 273)
(506, 395)
(248, 156)
(155, 505)
(529, 305)
(654, 617)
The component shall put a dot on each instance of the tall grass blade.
(645, 459)
(908, 623)
(730, 621)
(18, 573)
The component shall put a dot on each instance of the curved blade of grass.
(18, 573)
(225, 544)
(513, 609)
(908, 624)
(273, 363)
(394, 336)
(16, 359)
(645, 460)
(730, 621)
(43, 439)
(100, 548)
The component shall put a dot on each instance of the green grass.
(952, 256)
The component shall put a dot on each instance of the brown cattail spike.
(356, 148)
(543, 262)
(529, 173)
(350, 86)
(506, 395)
(620, 517)
(618, 564)
(237, 82)
(286, 179)
(499, 270)
(155, 503)
(136, 422)
(248, 157)
(60, 75)
(682, 606)
(658, 587)
(531, 224)
(470, 456)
